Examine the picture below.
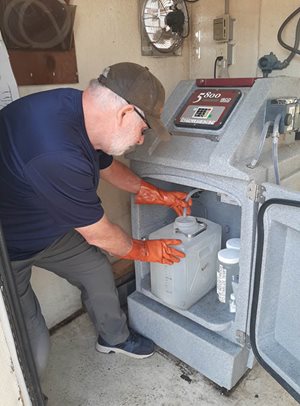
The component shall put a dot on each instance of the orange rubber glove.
(150, 194)
(155, 251)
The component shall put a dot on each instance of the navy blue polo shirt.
(49, 171)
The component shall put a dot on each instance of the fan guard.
(165, 25)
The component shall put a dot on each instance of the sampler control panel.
(208, 108)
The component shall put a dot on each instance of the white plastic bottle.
(228, 270)
(183, 284)
(233, 243)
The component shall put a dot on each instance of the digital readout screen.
(202, 112)
(207, 108)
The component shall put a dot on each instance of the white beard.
(118, 150)
(120, 144)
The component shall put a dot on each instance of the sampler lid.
(189, 226)
(234, 243)
(229, 256)
(186, 224)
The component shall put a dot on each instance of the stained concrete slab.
(79, 376)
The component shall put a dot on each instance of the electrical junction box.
(289, 109)
(223, 28)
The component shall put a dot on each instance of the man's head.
(136, 84)
(120, 105)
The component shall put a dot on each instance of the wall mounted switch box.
(223, 28)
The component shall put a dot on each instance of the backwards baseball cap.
(139, 87)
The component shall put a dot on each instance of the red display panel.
(208, 108)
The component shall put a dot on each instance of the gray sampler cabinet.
(237, 141)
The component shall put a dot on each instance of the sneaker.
(136, 346)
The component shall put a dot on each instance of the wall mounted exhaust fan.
(164, 25)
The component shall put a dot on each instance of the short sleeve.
(105, 160)
(66, 186)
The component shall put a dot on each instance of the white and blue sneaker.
(136, 346)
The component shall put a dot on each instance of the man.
(52, 147)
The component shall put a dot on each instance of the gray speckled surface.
(191, 160)
(238, 138)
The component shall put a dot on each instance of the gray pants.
(84, 266)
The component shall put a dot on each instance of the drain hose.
(263, 137)
(189, 195)
(275, 137)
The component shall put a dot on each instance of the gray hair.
(104, 96)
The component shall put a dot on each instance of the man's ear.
(122, 113)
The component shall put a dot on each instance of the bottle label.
(221, 283)
(168, 281)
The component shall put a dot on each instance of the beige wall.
(255, 34)
(107, 32)
(13, 390)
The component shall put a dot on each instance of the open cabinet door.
(275, 314)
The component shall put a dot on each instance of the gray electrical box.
(288, 108)
(223, 28)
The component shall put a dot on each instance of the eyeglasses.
(142, 117)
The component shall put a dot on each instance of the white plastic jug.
(183, 284)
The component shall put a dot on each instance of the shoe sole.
(109, 350)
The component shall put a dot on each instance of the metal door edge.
(18, 327)
(256, 286)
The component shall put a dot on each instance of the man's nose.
(140, 140)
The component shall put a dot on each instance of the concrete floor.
(79, 376)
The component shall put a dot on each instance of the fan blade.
(156, 36)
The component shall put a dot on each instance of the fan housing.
(164, 25)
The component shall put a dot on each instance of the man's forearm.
(122, 177)
(115, 241)
(107, 236)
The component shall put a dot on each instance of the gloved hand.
(150, 194)
(155, 251)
